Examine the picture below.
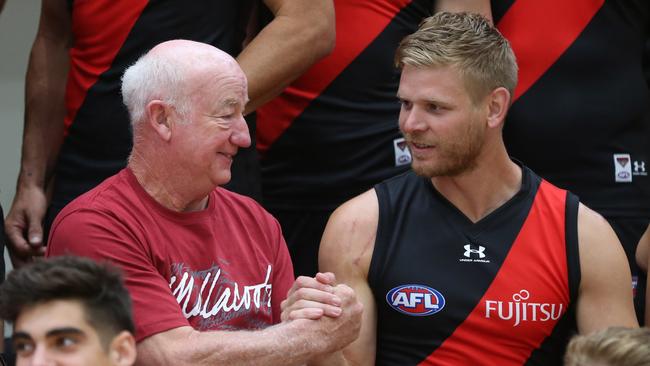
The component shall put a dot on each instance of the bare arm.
(289, 343)
(605, 295)
(643, 260)
(351, 230)
(474, 6)
(301, 33)
(43, 130)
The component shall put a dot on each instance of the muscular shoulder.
(599, 248)
(349, 238)
(595, 233)
(605, 296)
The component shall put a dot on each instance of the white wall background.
(18, 24)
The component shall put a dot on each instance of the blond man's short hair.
(467, 42)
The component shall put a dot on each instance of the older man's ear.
(159, 116)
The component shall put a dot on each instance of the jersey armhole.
(378, 260)
(572, 251)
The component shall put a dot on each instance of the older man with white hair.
(197, 257)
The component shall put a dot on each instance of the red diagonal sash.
(534, 275)
(540, 31)
(358, 23)
(100, 29)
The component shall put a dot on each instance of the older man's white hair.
(154, 77)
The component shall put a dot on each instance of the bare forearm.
(44, 111)
(283, 344)
(333, 359)
(301, 33)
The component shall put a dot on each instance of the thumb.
(35, 233)
(326, 278)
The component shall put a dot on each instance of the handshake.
(331, 311)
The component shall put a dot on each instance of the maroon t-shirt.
(222, 268)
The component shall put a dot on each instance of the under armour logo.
(639, 166)
(469, 251)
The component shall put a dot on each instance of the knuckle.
(302, 280)
(359, 308)
(302, 292)
(300, 303)
(346, 290)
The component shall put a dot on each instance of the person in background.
(616, 346)
(332, 134)
(69, 311)
(77, 130)
(580, 116)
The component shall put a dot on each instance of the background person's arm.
(605, 294)
(43, 130)
(301, 33)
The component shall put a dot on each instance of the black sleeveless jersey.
(581, 114)
(500, 291)
(333, 133)
(109, 36)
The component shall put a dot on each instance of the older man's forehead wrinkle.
(229, 102)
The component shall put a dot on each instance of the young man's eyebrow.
(65, 330)
(20, 335)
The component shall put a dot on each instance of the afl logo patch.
(415, 300)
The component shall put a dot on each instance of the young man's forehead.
(52, 332)
(56, 314)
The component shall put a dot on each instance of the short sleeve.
(102, 236)
(283, 277)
